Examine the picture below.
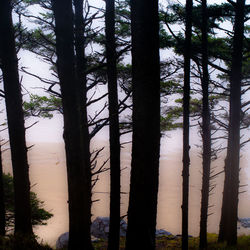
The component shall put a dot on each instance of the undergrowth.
(19, 242)
(171, 243)
(162, 243)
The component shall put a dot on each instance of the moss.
(171, 243)
(162, 243)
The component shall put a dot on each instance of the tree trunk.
(225, 201)
(76, 158)
(186, 147)
(229, 217)
(114, 133)
(13, 99)
(206, 134)
(146, 125)
(2, 205)
(82, 92)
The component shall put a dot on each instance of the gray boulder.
(100, 227)
(162, 232)
(62, 241)
(245, 222)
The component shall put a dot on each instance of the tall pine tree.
(146, 125)
(15, 117)
(186, 112)
(229, 212)
(206, 134)
(79, 192)
(2, 205)
(114, 134)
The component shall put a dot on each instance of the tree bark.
(114, 133)
(78, 169)
(146, 125)
(186, 101)
(82, 91)
(229, 216)
(206, 131)
(13, 100)
(2, 205)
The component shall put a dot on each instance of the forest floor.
(162, 243)
(167, 243)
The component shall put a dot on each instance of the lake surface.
(48, 180)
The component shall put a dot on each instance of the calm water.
(48, 179)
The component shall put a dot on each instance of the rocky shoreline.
(100, 230)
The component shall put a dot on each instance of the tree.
(80, 43)
(79, 186)
(229, 212)
(114, 133)
(13, 99)
(186, 111)
(206, 134)
(146, 125)
(2, 205)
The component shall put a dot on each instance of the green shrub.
(39, 215)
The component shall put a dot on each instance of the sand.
(48, 179)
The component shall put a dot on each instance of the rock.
(100, 227)
(62, 241)
(245, 222)
(162, 232)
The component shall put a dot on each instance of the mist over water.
(49, 181)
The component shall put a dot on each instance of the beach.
(49, 180)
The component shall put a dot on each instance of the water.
(48, 179)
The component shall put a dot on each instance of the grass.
(170, 243)
(162, 243)
(243, 243)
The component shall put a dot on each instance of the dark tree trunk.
(2, 205)
(82, 91)
(114, 134)
(76, 160)
(146, 125)
(186, 147)
(206, 134)
(225, 201)
(13, 99)
(228, 224)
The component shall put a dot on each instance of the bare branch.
(33, 124)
